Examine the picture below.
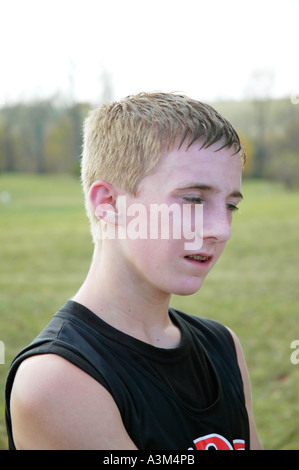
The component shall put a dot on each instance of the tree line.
(45, 136)
(41, 137)
(269, 130)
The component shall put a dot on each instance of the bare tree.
(258, 91)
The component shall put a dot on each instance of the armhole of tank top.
(230, 339)
(66, 354)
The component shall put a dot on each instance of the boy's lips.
(199, 258)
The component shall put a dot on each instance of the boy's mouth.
(200, 258)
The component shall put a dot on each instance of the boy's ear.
(102, 196)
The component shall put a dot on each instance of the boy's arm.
(255, 443)
(57, 406)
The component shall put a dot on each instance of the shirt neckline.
(94, 322)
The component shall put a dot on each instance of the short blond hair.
(124, 141)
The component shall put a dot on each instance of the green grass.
(45, 252)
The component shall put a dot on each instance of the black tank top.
(189, 397)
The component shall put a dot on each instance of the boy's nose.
(217, 226)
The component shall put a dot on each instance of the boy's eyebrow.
(207, 187)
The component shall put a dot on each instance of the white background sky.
(208, 49)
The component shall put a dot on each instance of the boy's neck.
(128, 307)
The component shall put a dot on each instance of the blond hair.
(124, 141)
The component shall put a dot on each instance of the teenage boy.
(116, 368)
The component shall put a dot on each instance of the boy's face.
(203, 180)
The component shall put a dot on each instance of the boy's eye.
(232, 207)
(193, 199)
(199, 200)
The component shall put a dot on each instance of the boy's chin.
(188, 289)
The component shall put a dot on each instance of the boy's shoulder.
(47, 411)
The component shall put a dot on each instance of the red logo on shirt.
(217, 442)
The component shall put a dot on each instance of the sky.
(210, 50)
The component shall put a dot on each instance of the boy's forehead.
(183, 164)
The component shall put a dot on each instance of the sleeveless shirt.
(188, 397)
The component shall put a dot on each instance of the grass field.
(45, 252)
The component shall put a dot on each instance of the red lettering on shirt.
(218, 442)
